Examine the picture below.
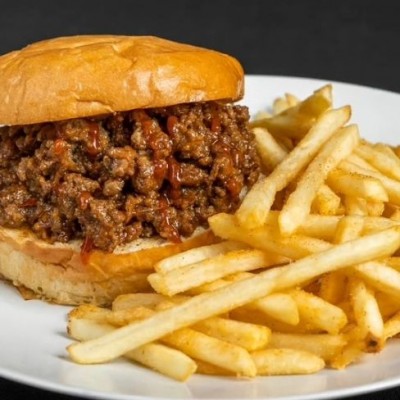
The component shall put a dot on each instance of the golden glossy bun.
(82, 76)
(56, 272)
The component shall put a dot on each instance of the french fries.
(323, 345)
(307, 273)
(192, 275)
(319, 313)
(298, 204)
(255, 207)
(286, 361)
(295, 120)
(117, 343)
(167, 361)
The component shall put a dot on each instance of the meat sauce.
(109, 180)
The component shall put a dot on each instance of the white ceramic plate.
(33, 339)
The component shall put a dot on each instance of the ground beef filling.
(112, 179)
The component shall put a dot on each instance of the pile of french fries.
(306, 275)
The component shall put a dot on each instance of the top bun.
(81, 76)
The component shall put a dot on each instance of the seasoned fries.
(307, 273)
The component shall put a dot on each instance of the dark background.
(352, 41)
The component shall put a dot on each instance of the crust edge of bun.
(82, 76)
(56, 272)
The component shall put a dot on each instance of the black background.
(352, 41)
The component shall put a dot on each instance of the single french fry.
(357, 185)
(350, 353)
(81, 328)
(270, 151)
(279, 105)
(196, 255)
(333, 287)
(365, 307)
(382, 158)
(320, 226)
(323, 345)
(366, 310)
(324, 227)
(389, 210)
(388, 305)
(255, 207)
(380, 276)
(353, 158)
(295, 121)
(279, 306)
(355, 206)
(103, 315)
(189, 276)
(292, 100)
(254, 316)
(319, 313)
(266, 238)
(374, 224)
(375, 208)
(326, 202)
(393, 262)
(132, 300)
(396, 150)
(392, 326)
(348, 228)
(167, 361)
(249, 336)
(391, 186)
(114, 344)
(206, 368)
(286, 142)
(262, 115)
(286, 362)
(212, 350)
(298, 205)
(396, 215)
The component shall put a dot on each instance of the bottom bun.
(57, 272)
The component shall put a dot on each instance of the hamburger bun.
(58, 273)
(71, 77)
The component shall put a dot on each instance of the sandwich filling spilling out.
(112, 179)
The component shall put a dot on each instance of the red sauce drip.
(161, 166)
(222, 147)
(147, 126)
(172, 233)
(160, 170)
(234, 158)
(59, 147)
(93, 144)
(174, 178)
(32, 202)
(84, 200)
(215, 125)
(234, 187)
(86, 248)
(171, 122)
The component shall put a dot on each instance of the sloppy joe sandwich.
(114, 152)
